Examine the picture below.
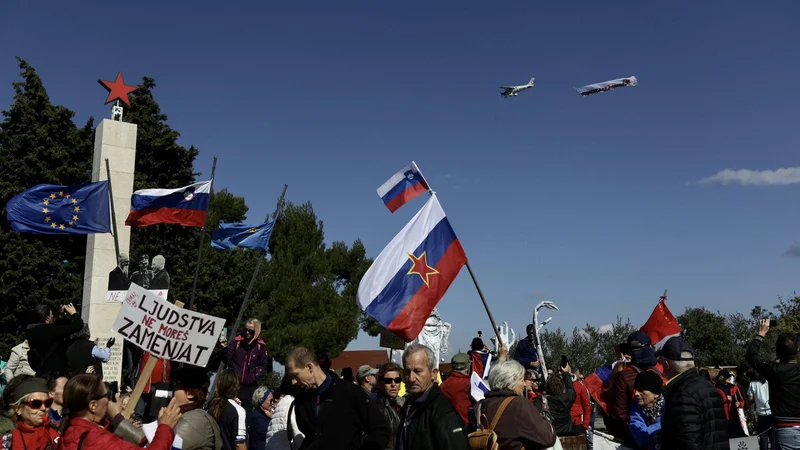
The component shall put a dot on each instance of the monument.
(434, 334)
(114, 141)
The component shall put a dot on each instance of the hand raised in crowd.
(69, 309)
(763, 327)
(90, 369)
(502, 352)
(170, 415)
(567, 369)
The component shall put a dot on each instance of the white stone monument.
(116, 141)
(434, 335)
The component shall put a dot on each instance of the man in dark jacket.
(526, 353)
(48, 340)
(335, 414)
(428, 420)
(247, 355)
(694, 418)
(560, 398)
(784, 383)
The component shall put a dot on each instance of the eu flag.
(232, 235)
(54, 209)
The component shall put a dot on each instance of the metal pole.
(238, 321)
(202, 238)
(113, 213)
(485, 305)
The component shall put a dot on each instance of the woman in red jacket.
(30, 402)
(86, 427)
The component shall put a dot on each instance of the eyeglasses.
(246, 331)
(390, 380)
(37, 404)
(107, 395)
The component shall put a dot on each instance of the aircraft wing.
(507, 87)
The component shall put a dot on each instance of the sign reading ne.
(119, 296)
(166, 331)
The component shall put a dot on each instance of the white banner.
(602, 441)
(166, 331)
(119, 296)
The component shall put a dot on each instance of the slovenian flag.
(185, 206)
(596, 383)
(412, 273)
(403, 187)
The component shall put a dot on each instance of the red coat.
(456, 389)
(581, 411)
(730, 403)
(160, 372)
(100, 438)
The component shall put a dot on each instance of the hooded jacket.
(248, 359)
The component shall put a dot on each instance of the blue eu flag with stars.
(232, 235)
(54, 209)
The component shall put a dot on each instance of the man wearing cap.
(456, 387)
(366, 378)
(694, 417)
(643, 358)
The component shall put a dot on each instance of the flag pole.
(261, 256)
(113, 213)
(202, 237)
(471, 273)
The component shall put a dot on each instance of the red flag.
(661, 325)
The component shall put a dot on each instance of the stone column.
(116, 141)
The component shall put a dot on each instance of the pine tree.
(39, 143)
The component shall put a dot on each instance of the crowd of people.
(55, 398)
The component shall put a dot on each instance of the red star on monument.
(422, 268)
(117, 90)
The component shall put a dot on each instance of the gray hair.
(682, 366)
(505, 375)
(429, 356)
(257, 396)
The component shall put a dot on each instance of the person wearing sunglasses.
(92, 416)
(30, 402)
(247, 355)
(389, 401)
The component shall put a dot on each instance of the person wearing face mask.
(29, 403)
(92, 415)
(247, 355)
(645, 415)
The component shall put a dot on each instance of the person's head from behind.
(648, 387)
(507, 375)
(29, 401)
(302, 367)
(86, 396)
(554, 385)
(227, 385)
(190, 385)
(56, 389)
(786, 347)
(84, 334)
(677, 356)
(389, 379)
(461, 363)
(45, 314)
(420, 369)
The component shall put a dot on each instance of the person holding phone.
(48, 339)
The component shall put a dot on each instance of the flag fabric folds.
(233, 235)
(185, 206)
(403, 187)
(477, 388)
(596, 383)
(55, 209)
(481, 363)
(412, 273)
(661, 325)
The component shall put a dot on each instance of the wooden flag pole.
(471, 273)
(144, 378)
(202, 237)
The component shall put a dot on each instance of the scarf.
(652, 413)
(25, 437)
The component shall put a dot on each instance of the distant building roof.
(357, 358)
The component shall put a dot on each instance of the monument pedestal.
(115, 141)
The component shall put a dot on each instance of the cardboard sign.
(119, 296)
(161, 328)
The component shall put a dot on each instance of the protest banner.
(165, 330)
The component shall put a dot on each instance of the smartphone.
(564, 361)
(773, 323)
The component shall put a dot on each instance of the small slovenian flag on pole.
(185, 206)
(412, 273)
(403, 187)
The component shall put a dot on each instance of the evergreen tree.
(39, 143)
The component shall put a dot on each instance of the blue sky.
(589, 202)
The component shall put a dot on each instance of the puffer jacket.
(101, 438)
(277, 431)
(199, 431)
(694, 417)
(18, 362)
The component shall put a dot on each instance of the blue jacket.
(526, 353)
(643, 433)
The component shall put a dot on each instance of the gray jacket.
(199, 431)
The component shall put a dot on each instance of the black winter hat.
(649, 381)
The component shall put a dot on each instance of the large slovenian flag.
(661, 325)
(185, 206)
(596, 383)
(412, 273)
(403, 187)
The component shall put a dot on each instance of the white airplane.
(515, 90)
